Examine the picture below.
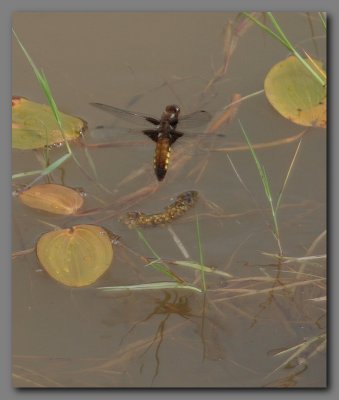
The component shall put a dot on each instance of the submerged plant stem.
(201, 256)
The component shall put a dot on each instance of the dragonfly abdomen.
(161, 157)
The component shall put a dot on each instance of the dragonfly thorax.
(167, 127)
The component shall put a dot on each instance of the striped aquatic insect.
(179, 207)
(164, 132)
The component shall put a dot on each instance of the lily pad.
(295, 94)
(34, 125)
(56, 199)
(76, 256)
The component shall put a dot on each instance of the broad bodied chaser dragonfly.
(164, 131)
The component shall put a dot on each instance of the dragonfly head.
(172, 111)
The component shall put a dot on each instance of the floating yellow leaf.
(295, 94)
(76, 256)
(34, 125)
(56, 199)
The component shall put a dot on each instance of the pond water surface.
(234, 335)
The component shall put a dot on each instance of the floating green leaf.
(295, 94)
(76, 256)
(56, 199)
(34, 125)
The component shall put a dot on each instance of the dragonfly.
(163, 131)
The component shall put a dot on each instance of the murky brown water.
(175, 338)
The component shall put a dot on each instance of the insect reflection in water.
(166, 306)
(178, 306)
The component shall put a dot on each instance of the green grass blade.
(281, 37)
(289, 45)
(45, 87)
(309, 68)
(149, 286)
(299, 349)
(56, 164)
(281, 33)
(159, 266)
(48, 93)
(144, 240)
(43, 83)
(24, 174)
(201, 267)
(287, 176)
(266, 186)
(260, 169)
(323, 20)
(155, 264)
(264, 27)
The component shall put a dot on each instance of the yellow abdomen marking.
(161, 158)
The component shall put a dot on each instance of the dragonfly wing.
(194, 120)
(112, 132)
(129, 116)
